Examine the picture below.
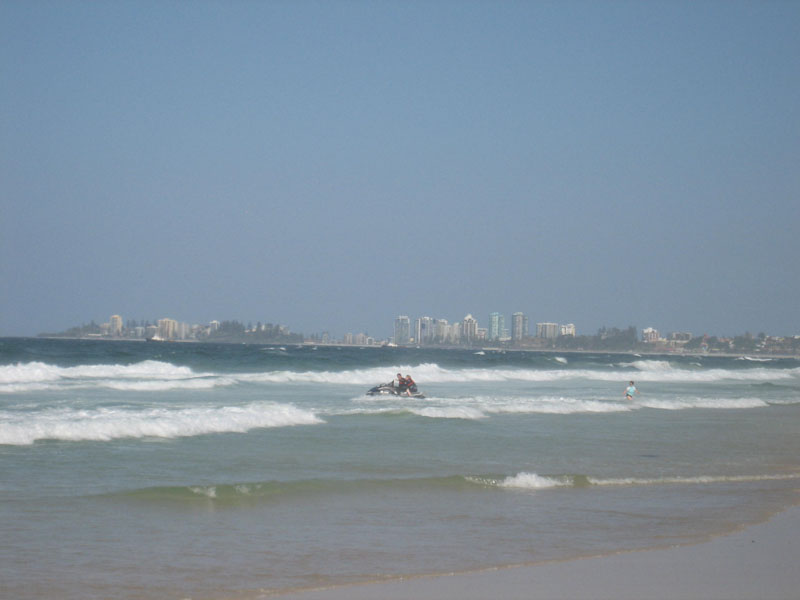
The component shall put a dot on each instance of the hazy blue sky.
(330, 165)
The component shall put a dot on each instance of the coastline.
(754, 561)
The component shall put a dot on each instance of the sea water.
(167, 470)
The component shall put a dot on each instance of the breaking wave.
(39, 371)
(685, 403)
(104, 424)
(276, 491)
(533, 481)
(152, 375)
(652, 371)
(148, 375)
(482, 407)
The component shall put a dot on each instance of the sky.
(331, 165)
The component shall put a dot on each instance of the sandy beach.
(759, 562)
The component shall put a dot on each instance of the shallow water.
(140, 470)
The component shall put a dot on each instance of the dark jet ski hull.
(390, 390)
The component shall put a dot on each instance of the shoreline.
(749, 562)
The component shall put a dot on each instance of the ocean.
(212, 471)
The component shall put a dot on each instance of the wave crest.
(533, 481)
(153, 375)
(104, 424)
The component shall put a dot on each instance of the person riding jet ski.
(401, 383)
(406, 386)
(411, 385)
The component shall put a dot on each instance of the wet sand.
(760, 562)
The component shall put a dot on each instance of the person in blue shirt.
(630, 391)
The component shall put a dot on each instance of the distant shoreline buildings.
(437, 332)
(171, 330)
(429, 331)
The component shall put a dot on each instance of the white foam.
(207, 491)
(196, 383)
(21, 388)
(652, 365)
(421, 408)
(700, 479)
(687, 403)
(532, 481)
(23, 373)
(103, 424)
(158, 376)
(449, 412)
(480, 407)
(428, 372)
(149, 375)
(549, 405)
(39, 371)
(524, 480)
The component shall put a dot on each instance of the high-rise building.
(454, 333)
(469, 329)
(568, 330)
(182, 330)
(519, 326)
(402, 330)
(548, 331)
(442, 331)
(496, 326)
(427, 330)
(423, 330)
(115, 325)
(167, 329)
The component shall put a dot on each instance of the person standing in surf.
(630, 391)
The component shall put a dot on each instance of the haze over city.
(329, 166)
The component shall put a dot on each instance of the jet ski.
(389, 389)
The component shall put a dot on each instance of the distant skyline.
(326, 164)
(486, 324)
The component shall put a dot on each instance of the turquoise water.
(135, 470)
